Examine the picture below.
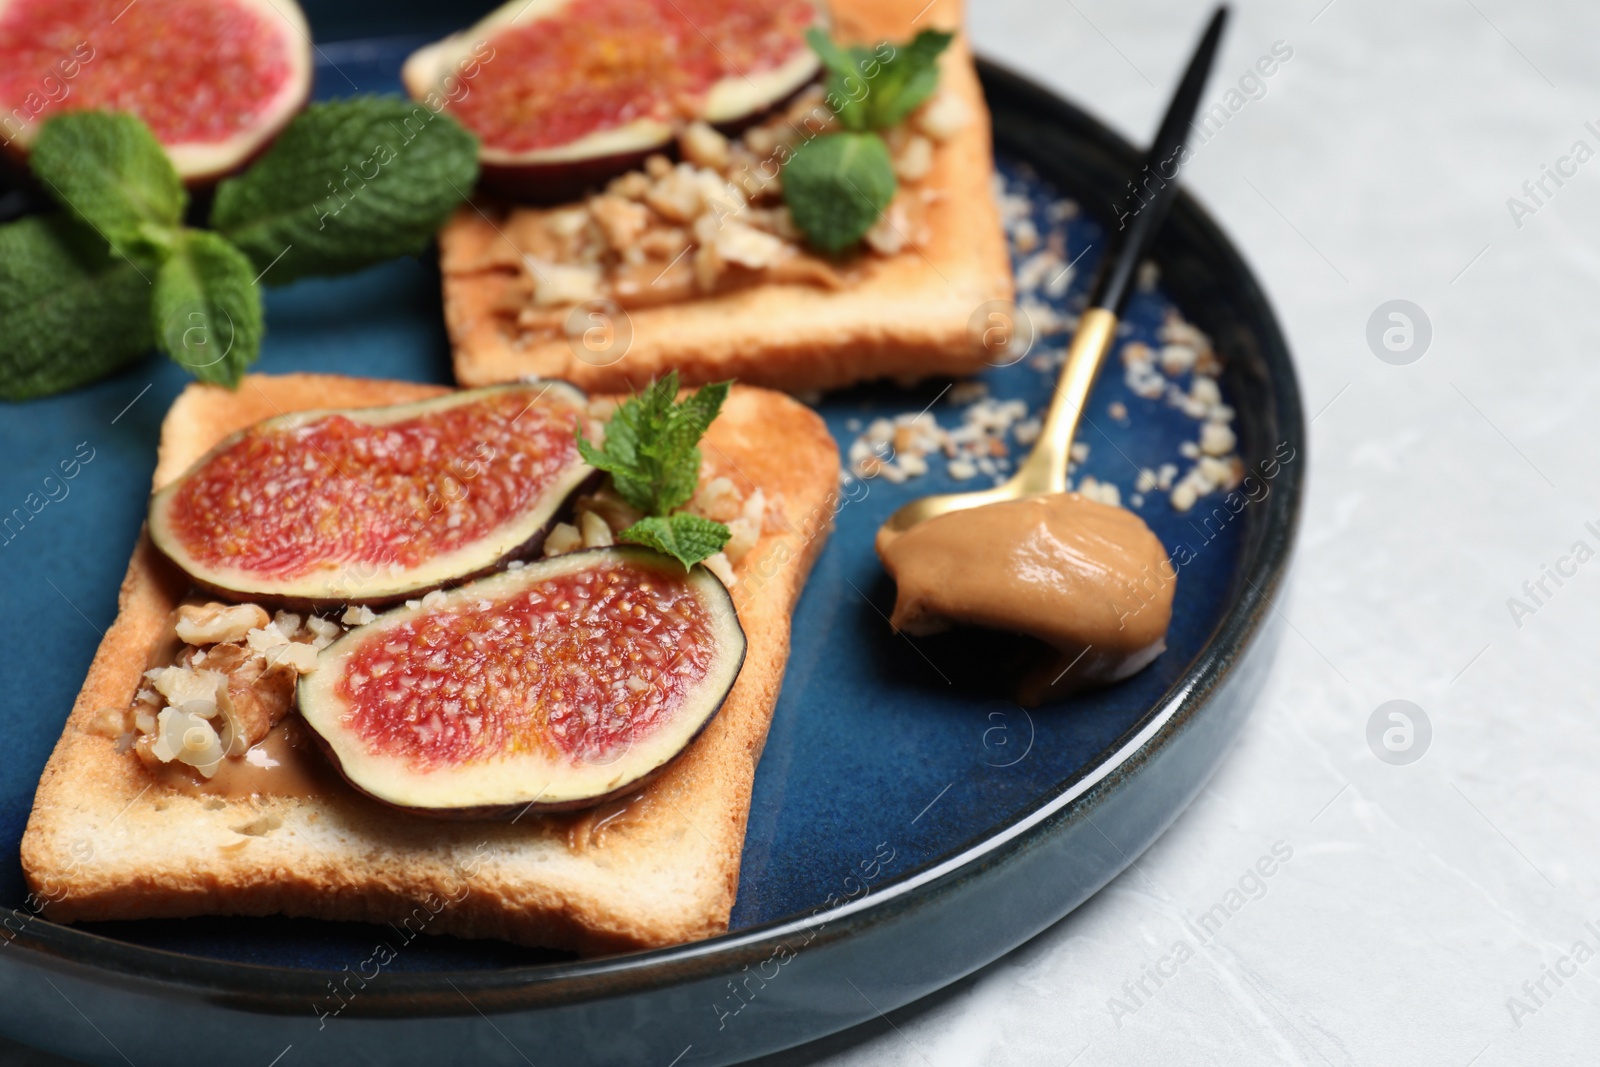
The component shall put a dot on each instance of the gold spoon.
(1045, 469)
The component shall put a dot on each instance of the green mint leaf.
(686, 538)
(679, 444)
(70, 310)
(348, 183)
(907, 80)
(837, 186)
(845, 88)
(631, 481)
(876, 88)
(109, 170)
(652, 444)
(689, 421)
(207, 309)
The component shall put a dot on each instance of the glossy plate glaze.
(910, 823)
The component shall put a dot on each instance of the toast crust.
(907, 317)
(105, 841)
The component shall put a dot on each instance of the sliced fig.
(372, 505)
(214, 79)
(560, 685)
(562, 93)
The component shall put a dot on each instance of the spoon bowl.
(1045, 469)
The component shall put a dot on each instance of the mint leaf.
(906, 80)
(837, 186)
(680, 440)
(651, 449)
(207, 309)
(110, 171)
(653, 456)
(348, 183)
(686, 538)
(875, 89)
(846, 87)
(70, 310)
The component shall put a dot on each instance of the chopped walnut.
(618, 513)
(623, 221)
(596, 531)
(942, 117)
(257, 695)
(208, 624)
(745, 531)
(718, 499)
(216, 698)
(358, 615)
(703, 146)
(562, 284)
(562, 538)
(914, 161)
(888, 234)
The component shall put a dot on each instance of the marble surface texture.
(1417, 899)
(1415, 912)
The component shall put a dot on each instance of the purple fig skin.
(513, 812)
(548, 184)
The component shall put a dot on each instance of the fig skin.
(508, 813)
(530, 548)
(511, 811)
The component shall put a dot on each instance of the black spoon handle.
(1152, 190)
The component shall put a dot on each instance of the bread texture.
(906, 316)
(106, 840)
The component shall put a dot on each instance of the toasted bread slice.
(905, 317)
(107, 841)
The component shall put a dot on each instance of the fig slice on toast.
(559, 685)
(374, 505)
(215, 80)
(564, 93)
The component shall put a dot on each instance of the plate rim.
(279, 989)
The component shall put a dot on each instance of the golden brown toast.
(907, 316)
(106, 840)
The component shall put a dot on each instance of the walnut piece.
(211, 623)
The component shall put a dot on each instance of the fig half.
(215, 80)
(563, 93)
(373, 505)
(559, 685)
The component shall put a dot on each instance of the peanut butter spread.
(1087, 578)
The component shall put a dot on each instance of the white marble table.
(1422, 907)
(1419, 898)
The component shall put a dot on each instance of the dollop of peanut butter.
(1087, 578)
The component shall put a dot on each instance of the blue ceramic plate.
(909, 822)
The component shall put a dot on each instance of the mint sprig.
(838, 184)
(652, 453)
(111, 173)
(876, 88)
(71, 311)
(347, 184)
